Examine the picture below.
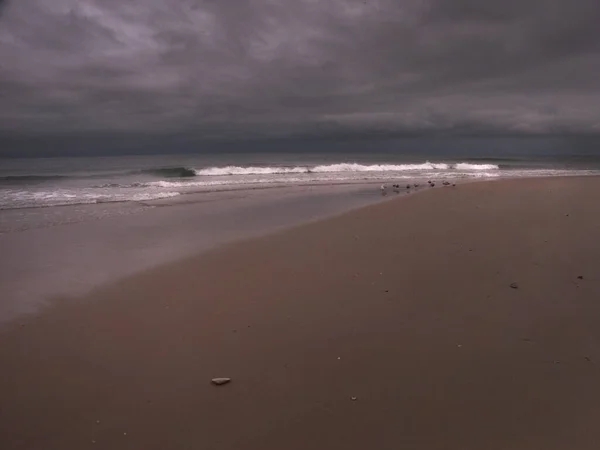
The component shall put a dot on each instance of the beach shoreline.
(69, 250)
(458, 318)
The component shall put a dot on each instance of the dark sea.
(43, 182)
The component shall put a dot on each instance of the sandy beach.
(393, 326)
(69, 250)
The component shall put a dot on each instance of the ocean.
(43, 182)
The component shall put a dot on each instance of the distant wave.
(467, 166)
(354, 167)
(251, 170)
(341, 167)
(327, 169)
(189, 172)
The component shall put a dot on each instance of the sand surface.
(68, 250)
(390, 327)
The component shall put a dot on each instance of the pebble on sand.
(353, 399)
(580, 277)
(514, 285)
(220, 381)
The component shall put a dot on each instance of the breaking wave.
(467, 166)
(190, 172)
(341, 167)
(237, 170)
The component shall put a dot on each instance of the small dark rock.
(408, 186)
(514, 285)
(580, 277)
(588, 359)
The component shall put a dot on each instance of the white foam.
(179, 184)
(328, 168)
(61, 197)
(468, 166)
(251, 170)
(151, 196)
(482, 174)
(354, 167)
(341, 167)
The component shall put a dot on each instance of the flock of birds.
(397, 188)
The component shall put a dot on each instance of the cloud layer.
(274, 67)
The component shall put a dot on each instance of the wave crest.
(251, 170)
(340, 167)
(355, 167)
(468, 166)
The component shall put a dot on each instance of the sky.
(276, 68)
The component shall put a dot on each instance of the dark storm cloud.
(300, 66)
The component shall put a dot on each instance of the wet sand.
(68, 250)
(393, 326)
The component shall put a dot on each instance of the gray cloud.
(300, 66)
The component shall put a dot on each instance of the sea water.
(43, 182)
